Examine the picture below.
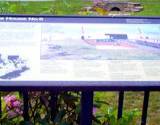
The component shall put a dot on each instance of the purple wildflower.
(16, 103)
(11, 114)
(9, 98)
(13, 106)
(94, 110)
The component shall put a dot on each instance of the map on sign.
(78, 51)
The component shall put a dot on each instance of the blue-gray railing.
(86, 95)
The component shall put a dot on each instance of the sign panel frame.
(85, 24)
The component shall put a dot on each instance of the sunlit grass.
(151, 8)
(133, 100)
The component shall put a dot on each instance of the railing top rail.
(81, 86)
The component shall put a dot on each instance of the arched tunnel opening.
(115, 9)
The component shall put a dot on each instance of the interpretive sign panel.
(45, 48)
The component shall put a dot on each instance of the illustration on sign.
(12, 66)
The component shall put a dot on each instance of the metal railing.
(87, 94)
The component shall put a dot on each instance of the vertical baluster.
(120, 104)
(25, 101)
(0, 106)
(145, 107)
(86, 108)
(53, 104)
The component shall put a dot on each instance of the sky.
(76, 30)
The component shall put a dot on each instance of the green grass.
(57, 7)
(151, 8)
(70, 7)
(133, 100)
(27, 7)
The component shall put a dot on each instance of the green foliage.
(106, 103)
(67, 111)
(25, 7)
(4, 7)
(57, 7)
(68, 7)
(109, 116)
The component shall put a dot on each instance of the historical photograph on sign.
(100, 42)
(17, 63)
(11, 66)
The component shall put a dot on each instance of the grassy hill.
(71, 7)
(151, 8)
